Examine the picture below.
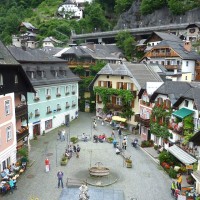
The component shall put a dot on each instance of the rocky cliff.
(133, 18)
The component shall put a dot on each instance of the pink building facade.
(7, 131)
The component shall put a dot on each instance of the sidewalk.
(143, 181)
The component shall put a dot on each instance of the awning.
(118, 118)
(182, 113)
(181, 155)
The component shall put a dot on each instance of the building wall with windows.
(52, 106)
(7, 131)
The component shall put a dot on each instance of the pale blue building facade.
(56, 99)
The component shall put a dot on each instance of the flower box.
(73, 92)
(37, 114)
(58, 109)
(48, 97)
(73, 105)
(67, 93)
(36, 98)
(49, 112)
(67, 107)
(58, 95)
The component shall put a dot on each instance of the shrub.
(165, 156)
(190, 180)
(172, 173)
(147, 143)
(110, 139)
(156, 147)
(74, 140)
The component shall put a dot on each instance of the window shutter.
(117, 85)
(99, 83)
(105, 84)
(132, 104)
(113, 100)
(132, 86)
(125, 86)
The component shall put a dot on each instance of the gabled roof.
(193, 93)
(196, 24)
(172, 89)
(139, 73)
(164, 36)
(28, 25)
(52, 50)
(6, 57)
(96, 51)
(178, 47)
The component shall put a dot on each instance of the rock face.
(133, 18)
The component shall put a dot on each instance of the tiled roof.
(168, 36)
(32, 55)
(28, 25)
(37, 60)
(139, 73)
(52, 50)
(5, 56)
(179, 48)
(173, 89)
(96, 51)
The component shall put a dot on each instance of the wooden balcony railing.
(145, 122)
(21, 110)
(22, 133)
(176, 128)
(145, 103)
(80, 63)
(172, 66)
(113, 106)
(162, 54)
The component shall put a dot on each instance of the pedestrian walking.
(173, 187)
(119, 132)
(102, 123)
(113, 133)
(47, 165)
(78, 149)
(59, 135)
(74, 149)
(60, 178)
(94, 124)
(179, 181)
(63, 135)
(124, 144)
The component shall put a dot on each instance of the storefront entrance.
(36, 129)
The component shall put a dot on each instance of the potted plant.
(128, 163)
(190, 180)
(74, 140)
(110, 139)
(63, 161)
(43, 133)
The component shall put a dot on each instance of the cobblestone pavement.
(144, 181)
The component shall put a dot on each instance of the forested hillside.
(101, 15)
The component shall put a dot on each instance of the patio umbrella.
(118, 118)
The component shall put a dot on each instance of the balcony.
(73, 105)
(22, 133)
(80, 63)
(21, 110)
(145, 122)
(145, 103)
(162, 54)
(173, 67)
(176, 127)
(58, 95)
(66, 93)
(73, 92)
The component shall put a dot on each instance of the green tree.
(126, 42)
(148, 6)
(122, 5)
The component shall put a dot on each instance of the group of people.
(176, 187)
(100, 138)
(72, 149)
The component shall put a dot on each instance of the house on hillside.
(14, 85)
(56, 99)
(176, 56)
(89, 54)
(122, 82)
(193, 31)
(27, 36)
(51, 42)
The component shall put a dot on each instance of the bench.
(81, 139)
(125, 156)
(71, 182)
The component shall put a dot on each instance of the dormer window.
(56, 74)
(16, 79)
(32, 75)
(1, 79)
(41, 73)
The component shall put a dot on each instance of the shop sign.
(189, 166)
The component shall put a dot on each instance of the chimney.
(187, 45)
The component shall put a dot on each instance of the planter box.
(63, 163)
(128, 164)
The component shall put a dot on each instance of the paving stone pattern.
(145, 181)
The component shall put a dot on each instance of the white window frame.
(57, 90)
(1, 79)
(66, 88)
(37, 111)
(36, 94)
(58, 106)
(186, 102)
(32, 75)
(118, 101)
(187, 63)
(8, 133)
(48, 109)
(48, 92)
(7, 107)
(73, 88)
